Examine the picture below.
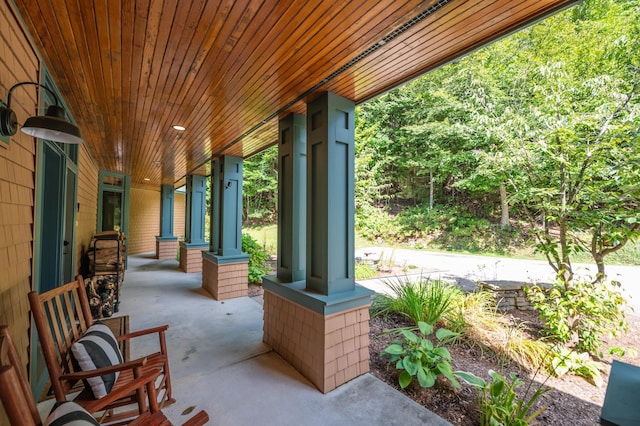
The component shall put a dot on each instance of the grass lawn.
(267, 236)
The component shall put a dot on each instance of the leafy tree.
(572, 131)
(260, 186)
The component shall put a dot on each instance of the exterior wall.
(18, 63)
(179, 205)
(144, 220)
(88, 203)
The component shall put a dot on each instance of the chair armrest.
(202, 418)
(127, 336)
(82, 375)
(123, 391)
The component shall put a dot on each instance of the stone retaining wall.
(508, 295)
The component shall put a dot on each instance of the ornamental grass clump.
(477, 319)
(419, 300)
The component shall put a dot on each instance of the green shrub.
(499, 402)
(258, 258)
(579, 364)
(419, 357)
(422, 300)
(364, 271)
(580, 310)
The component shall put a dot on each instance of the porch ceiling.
(227, 70)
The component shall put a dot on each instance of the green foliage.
(579, 364)
(549, 114)
(583, 310)
(258, 258)
(420, 300)
(364, 271)
(500, 404)
(260, 186)
(419, 357)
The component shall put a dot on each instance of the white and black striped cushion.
(69, 414)
(96, 349)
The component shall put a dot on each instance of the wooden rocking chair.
(21, 408)
(62, 316)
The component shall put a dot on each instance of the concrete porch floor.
(219, 363)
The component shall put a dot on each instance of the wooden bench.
(62, 316)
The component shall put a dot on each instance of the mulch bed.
(571, 400)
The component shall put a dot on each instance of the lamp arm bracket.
(55, 97)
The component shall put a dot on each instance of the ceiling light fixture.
(178, 127)
(52, 126)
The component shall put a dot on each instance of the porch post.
(225, 268)
(166, 242)
(320, 324)
(194, 243)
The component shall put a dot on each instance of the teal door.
(54, 254)
(54, 261)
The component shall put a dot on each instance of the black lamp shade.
(53, 127)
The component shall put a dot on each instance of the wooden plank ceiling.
(227, 70)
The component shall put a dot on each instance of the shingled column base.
(191, 257)
(225, 277)
(329, 350)
(166, 247)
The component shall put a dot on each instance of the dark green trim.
(326, 305)
(223, 260)
(159, 238)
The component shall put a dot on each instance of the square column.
(225, 268)
(166, 242)
(191, 249)
(320, 324)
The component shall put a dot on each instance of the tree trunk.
(430, 190)
(504, 207)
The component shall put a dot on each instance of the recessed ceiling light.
(147, 179)
(178, 127)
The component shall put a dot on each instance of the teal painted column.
(230, 243)
(195, 209)
(166, 242)
(320, 324)
(330, 189)
(166, 211)
(225, 266)
(292, 198)
(214, 209)
(329, 283)
(194, 244)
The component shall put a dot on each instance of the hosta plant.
(500, 404)
(419, 357)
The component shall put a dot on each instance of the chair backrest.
(15, 392)
(61, 315)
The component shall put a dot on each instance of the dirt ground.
(571, 400)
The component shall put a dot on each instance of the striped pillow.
(71, 414)
(96, 349)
